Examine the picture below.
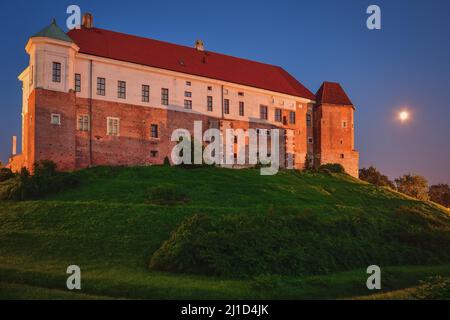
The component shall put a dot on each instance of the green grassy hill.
(112, 224)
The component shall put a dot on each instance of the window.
(344, 124)
(209, 103)
(121, 89)
(101, 86)
(226, 106)
(55, 118)
(113, 126)
(241, 108)
(145, 93)
(292, 117)
(165, 96)
(240, 94)
(188, 83)
(154, 131)
(278, 115)
(56, 72)
(77, 82)
(154, 153)
(263, 112)
(342, 156)
(83, 123)
(188, 94)
(310, 140)
(308, 120)
(188, 104)
(209, 88)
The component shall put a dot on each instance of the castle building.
(97, 97)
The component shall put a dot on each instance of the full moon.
(403, 116)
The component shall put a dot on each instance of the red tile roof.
(332, 93)
(164, 55)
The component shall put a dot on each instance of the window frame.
(263, 112)
(58, 115)
(292, 117)
(111, 126)
(278, 115)
(145, 93)
(77, 82)
(308, 120)
(188, 104)
(241, 108)
(209, 103)
(101, 86)
(121, 89)
(165, 96)
(56, 71)
(83, 122)
(226, 106)
(154, 131)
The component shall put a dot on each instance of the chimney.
(14, 145)
(199, 45)
(88, 21)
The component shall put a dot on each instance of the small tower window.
(55, 119)
(308, 120)
(56, 72)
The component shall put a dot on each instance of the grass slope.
(108, 227)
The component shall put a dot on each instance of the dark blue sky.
(407, 63)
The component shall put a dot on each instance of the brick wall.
(70, 148)
(334, 141)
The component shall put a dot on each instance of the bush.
(166, 162)
(167, 195)
(44, 168)
(297, 245)
(331, 168)
(45, 180)
(5, 174)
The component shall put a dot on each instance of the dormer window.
(56, 72)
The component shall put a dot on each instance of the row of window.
(145, 94)
(112, 125)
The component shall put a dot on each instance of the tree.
(372, 175)
(440, 193)
(413, 185)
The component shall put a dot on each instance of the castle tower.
(334, 128)
(48, 124)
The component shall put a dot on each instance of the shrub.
(44, 168)
(45, 180)
(297, 245)
(5, 174)
(372, 175)
(167, 195)
(331, 168)
(167, 162)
